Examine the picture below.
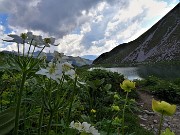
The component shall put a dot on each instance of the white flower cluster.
(32, 39)
(55, 70)
(84, 127)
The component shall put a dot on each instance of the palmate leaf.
(7, 118)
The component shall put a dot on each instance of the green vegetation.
(164, 89)
(51, 98)
(94, 91)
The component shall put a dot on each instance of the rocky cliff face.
(160, 43)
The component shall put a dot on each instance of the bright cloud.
(89, 27)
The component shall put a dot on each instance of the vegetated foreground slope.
(160, 43)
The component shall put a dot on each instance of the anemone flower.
(60, 57)
(16, 39)
(53, 71)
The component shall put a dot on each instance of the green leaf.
(167, 132)
(7, 118)
(107, 87)
(84, 133)
(86, 118)
(91, 84)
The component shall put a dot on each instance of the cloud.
(57, 17)
(85, 26)
(121, 25)
(1, 35)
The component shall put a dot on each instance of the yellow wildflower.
(163, 107)
(127, 85)
(93, 111)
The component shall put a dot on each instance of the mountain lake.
(143, 71)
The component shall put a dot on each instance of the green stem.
(56, 123)
(110, 124)
(31, 57)
(40, 119)
(29, 47)
(71, 102)
(49, 123)
(19, 104)
(23, 47)
(124, 113)
(40, 51)
(18, 51)
(72, 99)
(24, 109)
(160, 124)
(1, 104)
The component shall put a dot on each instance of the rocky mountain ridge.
(160, 43)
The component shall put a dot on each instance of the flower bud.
(116, 96)
(24, 36)
(115, 108)
(93, 111)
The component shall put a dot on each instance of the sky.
(81, 27)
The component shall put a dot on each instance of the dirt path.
(150, 120)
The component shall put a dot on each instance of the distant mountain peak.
(77, 61)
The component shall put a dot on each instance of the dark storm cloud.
(57, 17)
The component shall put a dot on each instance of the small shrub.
(112, 78)
(167, 91)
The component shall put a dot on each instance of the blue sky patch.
(4, 22)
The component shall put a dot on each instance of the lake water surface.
(140, 72)
(130, 73)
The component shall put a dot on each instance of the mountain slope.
(77, 61)
(160, 43)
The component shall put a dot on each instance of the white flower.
(86, 127)
(49, 41)
(67, 68)
(59, 56)
(93, 131)
(76, 125)
(53, 71)
(16, 38)
(34, 40)
(71, 124)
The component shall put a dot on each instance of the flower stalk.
(160, 124)
(71, 102)
(19, 103)
(40, 119)
(163, 108)
(127, 86)
(72, 99)
(49, 123)
(124, 113)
